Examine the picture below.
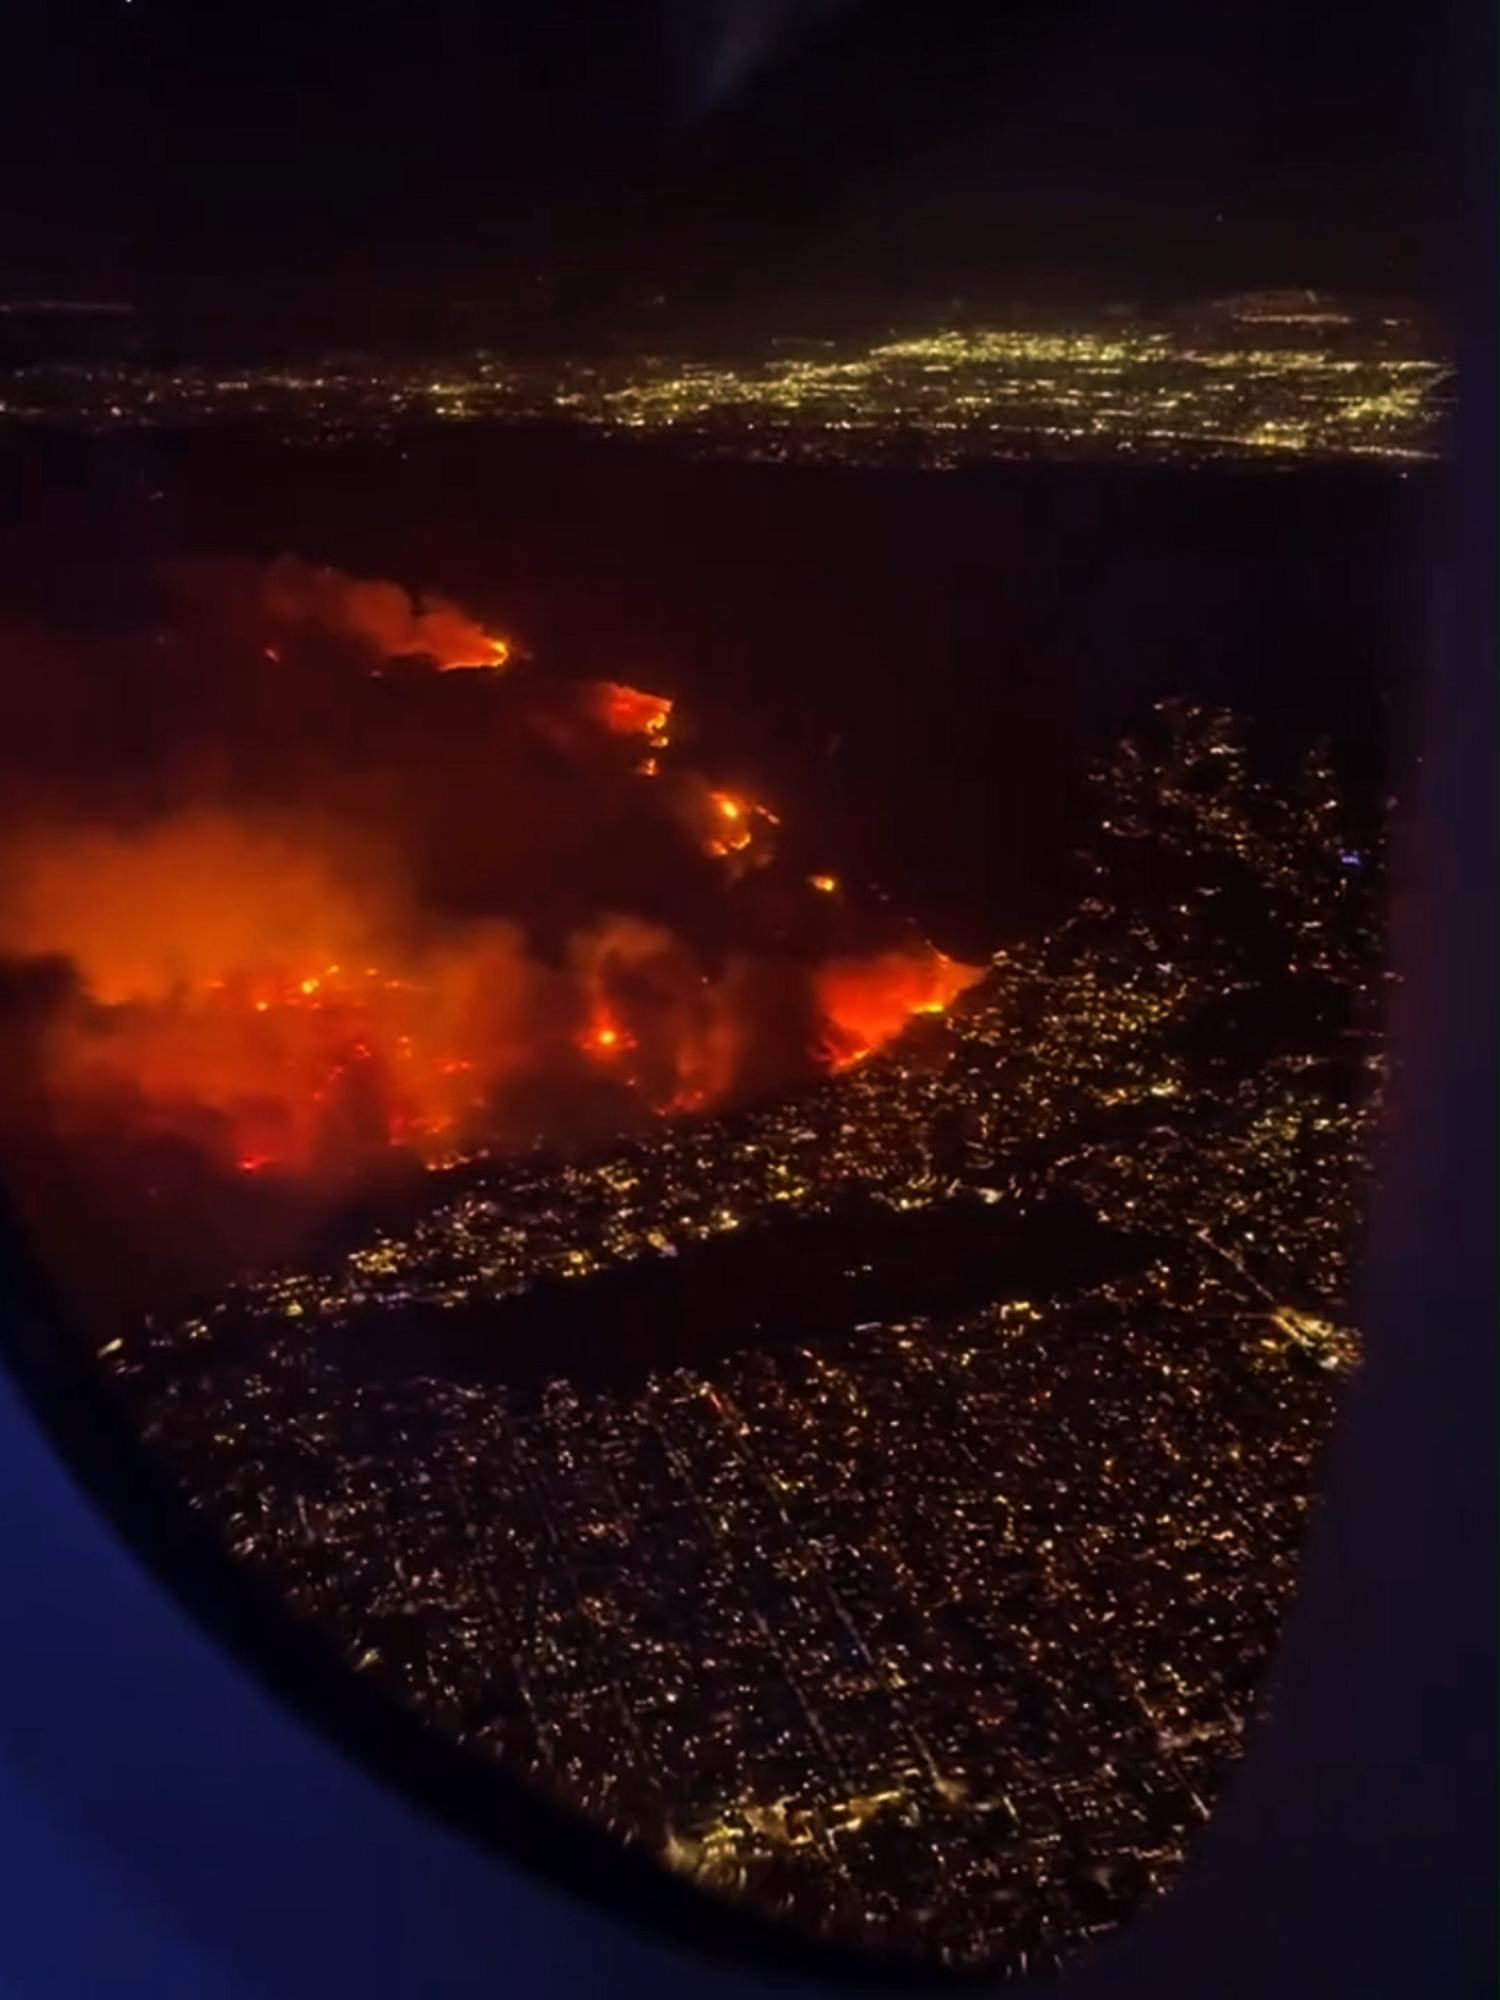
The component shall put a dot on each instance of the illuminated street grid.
(939, 1633)
(1233, 387)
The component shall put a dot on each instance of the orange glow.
(606, 1040)
(387, 620)
(735, 822)
(865, 1003)
(628, 711)
(213, 960)
(268, 984)
(238, 990)
(826, 885)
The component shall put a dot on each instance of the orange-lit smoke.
(865, 1003)
(240, 989)
(628, 711)
(236, 987)
(380, 616)
(674, 1032)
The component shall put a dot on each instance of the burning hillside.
(281, 885)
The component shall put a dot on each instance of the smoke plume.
(381, 616)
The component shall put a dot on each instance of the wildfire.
(867, 1002)
(735, 822)
(265, 980)
(382, 617)
(628, 711)
(316, 1070)
(495, 653)
(606, 1040)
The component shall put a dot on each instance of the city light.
(1254, 378)
(960, 1609)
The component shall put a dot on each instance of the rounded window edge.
(137, 1502)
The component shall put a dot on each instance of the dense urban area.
(1269, 376)
(881, 1505)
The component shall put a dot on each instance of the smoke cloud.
(381, 616)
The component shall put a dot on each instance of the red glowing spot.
(605, 1040)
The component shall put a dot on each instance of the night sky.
(755, 162)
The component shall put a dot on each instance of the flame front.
(867, 1002)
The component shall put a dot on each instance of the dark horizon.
(591, 168)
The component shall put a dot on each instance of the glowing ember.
(606, 1040)
(826, 885)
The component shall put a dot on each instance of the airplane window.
(703, 712)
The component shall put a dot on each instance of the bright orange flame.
(215, 960)
(734, 822)
(496, 653)
(826, 885)
(605, 1040)
(628, 711)
(867, 1002)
